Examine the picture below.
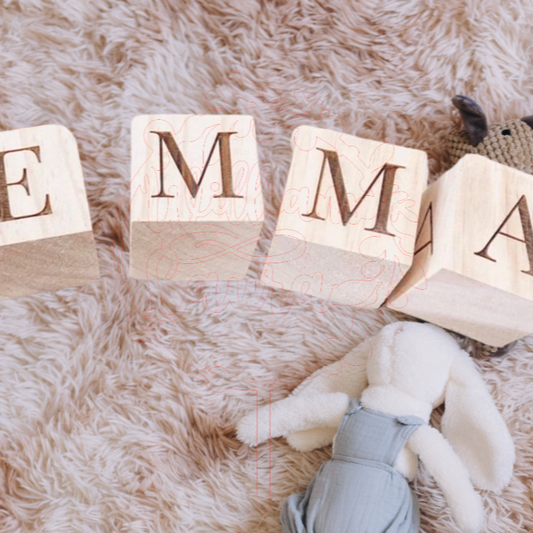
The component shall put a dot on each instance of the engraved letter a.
(525, 220)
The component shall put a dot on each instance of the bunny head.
(410, 368)
(509, 142)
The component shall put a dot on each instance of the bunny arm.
(451, 475)
(310, 439)
(295, 413)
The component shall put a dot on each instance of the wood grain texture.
(347, 225)
(196, 197)
(47, 265)
(472, 270)
(46, 240)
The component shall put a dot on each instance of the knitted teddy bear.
(375, 405)
(509, 142)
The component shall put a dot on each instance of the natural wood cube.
(347, 225)
(46, 239)
(196, 200)
(473, 267)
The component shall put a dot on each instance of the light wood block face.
(46, 239)
(196, 197)
(473, 267)
(347, 225)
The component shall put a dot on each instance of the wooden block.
(46, 239)
(473, 267)
(196, 200)
(347, 225)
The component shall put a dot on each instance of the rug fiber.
(118, 400)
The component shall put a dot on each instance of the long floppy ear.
(347, 375)
(473, 117)
(474, 427)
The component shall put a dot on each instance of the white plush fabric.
(295, 413)
(451, 475)
(413, 368)
(102, 433)
(474, 428)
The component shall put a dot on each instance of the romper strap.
(410, 420)
(353, 406)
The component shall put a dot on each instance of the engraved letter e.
(5, 208)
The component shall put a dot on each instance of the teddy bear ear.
(528, 120)
(473, 117)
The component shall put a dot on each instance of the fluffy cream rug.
(118, 401)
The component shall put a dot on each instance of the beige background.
(101, 433)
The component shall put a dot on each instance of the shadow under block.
(473, 267)
(46, 239)
(347, 224)
(196, 197)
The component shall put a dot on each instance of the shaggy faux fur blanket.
(118, 400)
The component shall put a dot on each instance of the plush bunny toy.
(375, 405)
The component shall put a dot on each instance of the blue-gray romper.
(358, 490)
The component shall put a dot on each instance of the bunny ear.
(347, 375)
(474, 427)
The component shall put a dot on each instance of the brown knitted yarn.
(513, 147)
